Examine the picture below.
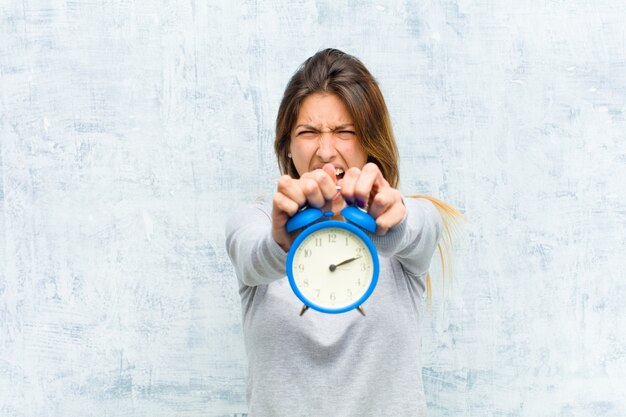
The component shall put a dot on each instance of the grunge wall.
(129, 130)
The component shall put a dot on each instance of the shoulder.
(418, 203)
(424, 212)
(262, 205)
(258, 212)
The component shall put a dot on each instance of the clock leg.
(304, 309)
(360, 308)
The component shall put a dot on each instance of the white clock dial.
(333, 267)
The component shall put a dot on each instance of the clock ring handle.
(304, 217)
(359, 217)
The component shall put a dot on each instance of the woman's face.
(324, 133)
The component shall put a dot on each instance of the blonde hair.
(452, 220)
(335, 72)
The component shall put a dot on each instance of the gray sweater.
(333, 364)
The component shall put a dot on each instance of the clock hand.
(332, 267)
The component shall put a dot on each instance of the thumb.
(330, 170)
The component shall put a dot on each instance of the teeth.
(338, 171)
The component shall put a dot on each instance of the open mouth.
(339, 173)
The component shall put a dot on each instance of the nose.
(326, 150)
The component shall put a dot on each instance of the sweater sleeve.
(413, 241)
(256, 256)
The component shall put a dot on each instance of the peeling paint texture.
(130, 130)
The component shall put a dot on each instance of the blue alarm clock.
(332, 265)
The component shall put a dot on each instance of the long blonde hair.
(336, 72)
(452, 221)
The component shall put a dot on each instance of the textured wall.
(129, 130)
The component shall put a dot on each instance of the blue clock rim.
(324, 225)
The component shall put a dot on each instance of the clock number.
(349, 292)
(305, 282)
(307, 253)
(332, 238)
(365, 267)
(318, 242)
(301, 267)
(359, 251)
(347, 241)
(332, 296)
(317, 293)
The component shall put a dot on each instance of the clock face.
(333, 268)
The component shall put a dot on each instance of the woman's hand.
(370, 190)
(366, 186)
(315, 188)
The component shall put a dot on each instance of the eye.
(346, 134)
(307, 133)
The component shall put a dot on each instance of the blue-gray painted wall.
(130, 130)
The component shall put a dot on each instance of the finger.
(348, 182)
(283, 207)
(383, 200)
(290, 188)
(312, 191)
(370, 176)
(390, 218)
(326, 182)
(330, 170)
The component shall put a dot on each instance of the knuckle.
(308, 186)
(396, 199)
(284, 181)
(323, 177)
(280, 202)
(370, 167)
(383, 223)
(316, 175)
(362, 190)
(381, 199)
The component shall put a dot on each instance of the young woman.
(333, 128)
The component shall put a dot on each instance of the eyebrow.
(343, 126)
